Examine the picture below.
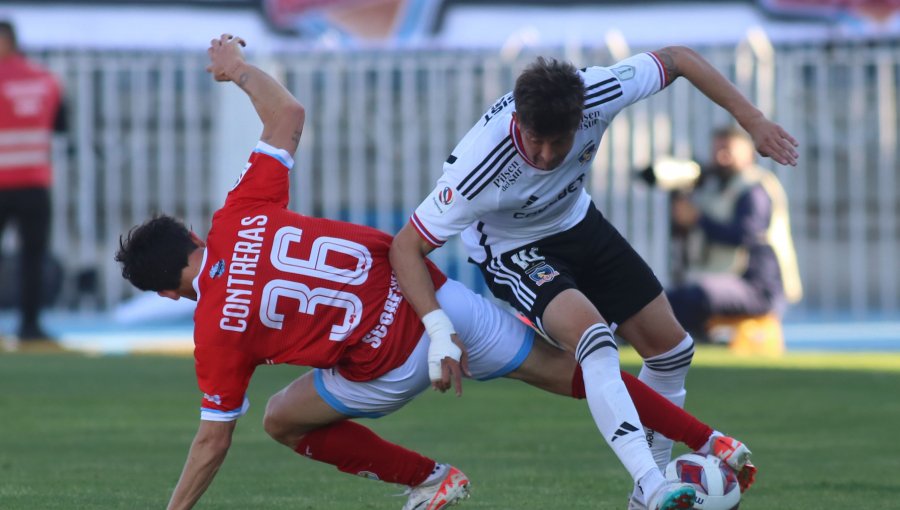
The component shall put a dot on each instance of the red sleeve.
(223, 375)
(265, 177)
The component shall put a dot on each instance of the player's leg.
(571, 319)
(623, 287)
(34, 230)
(310, 417)
(536, 281)
(667, 351)
(302, 420)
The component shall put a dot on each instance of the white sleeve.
(610, 89)
(443, 214)
(464, 192)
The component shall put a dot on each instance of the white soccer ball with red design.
(716, 484)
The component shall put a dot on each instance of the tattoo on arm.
(296, 136)
(243, 79)
(667, 59)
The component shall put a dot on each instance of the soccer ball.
(716, 484)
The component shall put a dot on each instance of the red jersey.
(279, 287)
(29, 101)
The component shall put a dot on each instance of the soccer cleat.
(736, 454)
(442, 493)
(746, 476)
(674, 496)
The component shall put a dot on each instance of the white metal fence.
(381, 123)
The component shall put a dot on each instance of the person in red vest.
(31, 109)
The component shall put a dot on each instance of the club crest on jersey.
(217, 269)
(542, 274)
(587, 153)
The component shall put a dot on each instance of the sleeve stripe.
(219, 415)
(428, 236)
(607, 90)
(600, 84)
(494, 175)
(273, 152)
(663, 76)
(604, 100)
(477, 169)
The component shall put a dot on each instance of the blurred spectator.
(30, 111)
(739, 255)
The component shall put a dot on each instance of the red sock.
(656, 412)
(357, 450)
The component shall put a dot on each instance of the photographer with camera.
(739, 257)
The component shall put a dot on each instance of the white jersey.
(493, 195)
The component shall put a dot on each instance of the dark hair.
(549, 97)
(730, 133)
(8, 30)
(154, 254)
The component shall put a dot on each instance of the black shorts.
(591, 256)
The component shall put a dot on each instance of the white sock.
(611, 405)
(666, 373)
(436, 474)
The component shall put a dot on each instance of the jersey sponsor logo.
(570, 188)
(215, 399)
(542, 274)
(509, 176)
(526, 258)
(624, 73)
(590, 119)
(498, 107)
(241, 271)
(217, 269)
(391, 304)
(587, 153)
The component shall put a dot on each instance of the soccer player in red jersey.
(273, 286)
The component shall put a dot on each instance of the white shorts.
(497, 344)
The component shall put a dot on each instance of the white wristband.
(439, 329)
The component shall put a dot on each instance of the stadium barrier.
(146, 127)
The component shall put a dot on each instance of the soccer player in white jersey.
(514, 189)
(273, 286)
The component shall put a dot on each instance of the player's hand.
(225, 56)
(452, 370)
(771, 140)
(684, 213)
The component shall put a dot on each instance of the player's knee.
(275, 424)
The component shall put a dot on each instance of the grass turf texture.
(113, 432)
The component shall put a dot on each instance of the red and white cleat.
(441, 493)
(736, 454)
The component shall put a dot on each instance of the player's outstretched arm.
(281, 114)
(770, 139)
(204, 459)
(447, 358)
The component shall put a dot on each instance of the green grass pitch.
(82, 432)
